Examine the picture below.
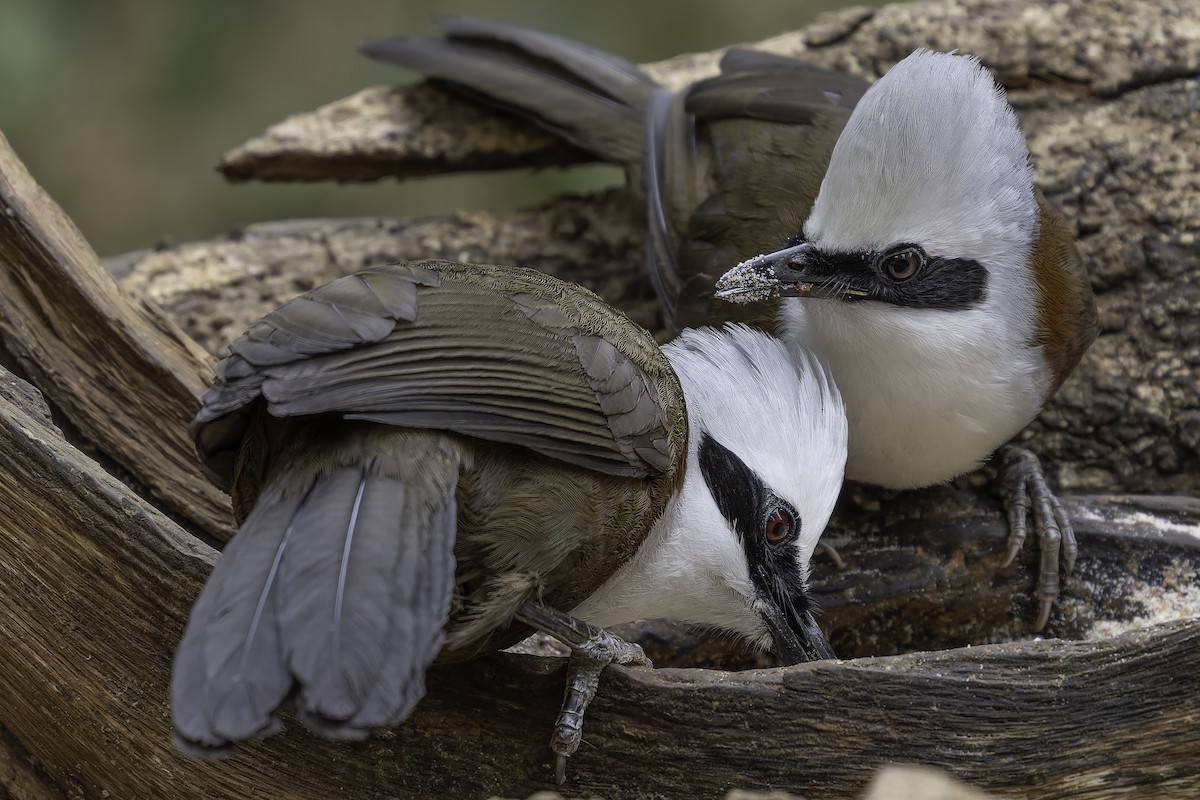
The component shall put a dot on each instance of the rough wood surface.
(362, 133)
(1111, 128)
(98, 583)
(122, 373)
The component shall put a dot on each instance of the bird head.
(927, 205)
(766, 456)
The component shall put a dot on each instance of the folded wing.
(498, 353)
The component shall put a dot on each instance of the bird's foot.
(583, 679)
(593, 649)
(1025, 491)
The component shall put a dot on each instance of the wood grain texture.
(124, 374)
(98, 583)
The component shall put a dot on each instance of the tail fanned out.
(340, 592)
(591, 98)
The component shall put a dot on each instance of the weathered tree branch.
(361, 133)
(124, 374)
(98, 583)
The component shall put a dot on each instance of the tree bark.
(125, 377)
(98, 585)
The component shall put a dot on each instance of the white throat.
(929, 394)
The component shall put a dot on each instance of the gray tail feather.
(593, 99)
(228, 678)
(608, 106)
(664, 143)
(341, 593)
(362, 611)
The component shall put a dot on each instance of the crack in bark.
(867, 15)
(14, 758)
(1148, 82)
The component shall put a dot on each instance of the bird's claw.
(1027, 492)
(583, 679)
(560, 769)
(593, 649)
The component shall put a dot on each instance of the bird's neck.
(682, 571)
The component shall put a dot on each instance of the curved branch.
(124, 375)
(98, 585)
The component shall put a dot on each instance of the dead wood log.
(124, 375)
(98, 584)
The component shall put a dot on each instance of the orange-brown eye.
(779, 527)
(902, 264)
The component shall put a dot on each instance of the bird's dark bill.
(797, 637)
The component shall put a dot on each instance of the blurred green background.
(120, 108)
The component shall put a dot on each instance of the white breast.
(929, 394)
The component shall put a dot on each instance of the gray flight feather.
(611, 74)
(358, 310)
(342, 591)
(588, 97)
(228, 677)
(502, 354)
(363, 595)
(756, 85)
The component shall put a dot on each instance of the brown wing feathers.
(505, 355)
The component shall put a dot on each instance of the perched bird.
(425, 456)
(947, 298)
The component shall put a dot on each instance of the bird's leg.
(1025, 491)
(592, 649)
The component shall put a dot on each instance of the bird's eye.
(779, 526)
(903, 263)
